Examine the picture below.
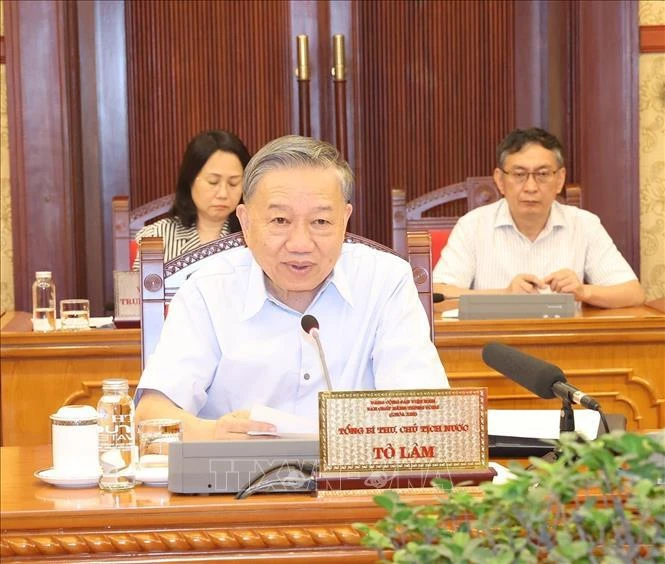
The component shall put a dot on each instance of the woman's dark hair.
(198, 151)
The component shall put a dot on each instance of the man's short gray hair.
(294, 151)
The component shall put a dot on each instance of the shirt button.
(306, 376)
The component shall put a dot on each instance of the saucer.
(50, 476)
(158, 477)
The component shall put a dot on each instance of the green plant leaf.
(545, 514)
(387, 500)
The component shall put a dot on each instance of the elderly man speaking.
(233, 335)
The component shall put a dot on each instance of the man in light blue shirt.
(233, 336)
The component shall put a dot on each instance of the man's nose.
(530, 183)
(300, 238)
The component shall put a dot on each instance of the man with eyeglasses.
(527, 242)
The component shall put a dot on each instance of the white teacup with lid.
(75, 441)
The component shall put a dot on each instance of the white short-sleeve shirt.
(228, 344)
(486, 251)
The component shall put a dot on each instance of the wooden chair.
(160, 282)
(126, 224)
(453, 201)
(449, 203)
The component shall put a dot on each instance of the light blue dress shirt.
(227, 344)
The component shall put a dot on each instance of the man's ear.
(561, 179)
(241, 212)
(498, 180)
(348, 210)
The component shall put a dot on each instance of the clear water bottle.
(117, 450)
(43, 302)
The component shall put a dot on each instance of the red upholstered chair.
(126, 224)
(160, 282)
(439, 240)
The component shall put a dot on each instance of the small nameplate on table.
(127, 295)
(403, 437)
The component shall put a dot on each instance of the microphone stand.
(566, 425)
(566, 418)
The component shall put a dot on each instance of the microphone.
(539, 377)
(437, 297)
(310, 325)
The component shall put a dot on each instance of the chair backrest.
(449, 203)
(160, 281)
(126, 224)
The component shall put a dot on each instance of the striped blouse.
(178, 239)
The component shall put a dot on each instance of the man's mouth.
(299, 266)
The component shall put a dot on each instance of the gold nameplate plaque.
(403, 430)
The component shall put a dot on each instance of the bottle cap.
(43, 274)
(115, 384)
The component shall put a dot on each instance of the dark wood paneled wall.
(607, 119)
(435, 94)
(103, 96)
(44, 125)
(202, 65)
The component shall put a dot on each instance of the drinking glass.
(75, 314)
(155, 437)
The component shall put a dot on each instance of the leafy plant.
(600, 501)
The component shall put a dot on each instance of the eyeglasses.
(542, 177)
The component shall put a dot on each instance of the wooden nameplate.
(400, 479)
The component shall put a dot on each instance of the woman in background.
(208, 190)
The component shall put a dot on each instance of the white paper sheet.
(502, 473)
(450, 314)
(288, 425)
(539, 423)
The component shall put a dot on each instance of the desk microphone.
(437, 297)
(310, 325)
(539, 377)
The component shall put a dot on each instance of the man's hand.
(525, 284)
(235, 426)
(566, 282)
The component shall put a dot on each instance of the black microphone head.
(437, 297)
(534, 374)
(309, 322)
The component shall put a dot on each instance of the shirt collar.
(257, 294)
(555, 219)
(340, 280)
(188, 233)
(192, 233)
(256, 290)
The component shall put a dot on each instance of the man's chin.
(295, 283)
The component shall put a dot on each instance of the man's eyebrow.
(275, 206)
(539, 167)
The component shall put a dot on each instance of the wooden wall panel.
(200, 65)
(44, 129)
(606, 116)
(435, 81)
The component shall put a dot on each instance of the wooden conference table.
(40, 522)
(616, 355)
